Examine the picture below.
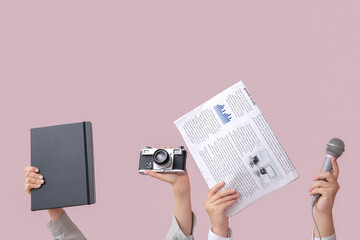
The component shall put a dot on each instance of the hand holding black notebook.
(64, 155)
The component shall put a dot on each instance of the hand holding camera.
(168, 165)
(162, 163)
(166, 160)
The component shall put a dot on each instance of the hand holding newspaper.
(231, 141)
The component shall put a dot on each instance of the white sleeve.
(332, 237)
(175, 232)
(213, 236)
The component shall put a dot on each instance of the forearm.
(63, 228)
(182, 209)
(325, 224)
(55, 213)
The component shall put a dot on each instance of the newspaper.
(231, 141)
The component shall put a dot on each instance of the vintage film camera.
(167, 160)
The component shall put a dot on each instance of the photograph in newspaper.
(231, 141)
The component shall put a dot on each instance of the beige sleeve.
(64, 229)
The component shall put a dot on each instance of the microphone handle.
(327, 167)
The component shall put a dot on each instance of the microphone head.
(335, 147)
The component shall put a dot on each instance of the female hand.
(182, 198)
(327, 188)
(33, 180)
(215, 205)
(180, 182)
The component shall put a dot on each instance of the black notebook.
(64, 156)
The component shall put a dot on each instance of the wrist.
(181, 188)
(325, 223)
(324, 213)
(220, 231)
(55, 213)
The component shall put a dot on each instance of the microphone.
(334, 149)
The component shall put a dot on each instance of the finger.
(335, 167)
(228, 204)
(31, 169)
(227, 198)
(320, 184)
(34, 181)
(33, 175)
(163, 147)
(215, 189)
(35, 186)
(325, 176)
(27, 188)
(325, 193)
(222, 194)
(155, 175)
(30, 186)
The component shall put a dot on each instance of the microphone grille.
(335, 147)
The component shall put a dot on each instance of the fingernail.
(36, 170)
(41, 177)
(38, 185)
(41, 181)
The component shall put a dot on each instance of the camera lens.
(161, 156)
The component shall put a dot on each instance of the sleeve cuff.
(60, 224)
(332, 237)
(63, 228)
(213, 236)
(176, 233)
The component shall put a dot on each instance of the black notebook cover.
(64, 156)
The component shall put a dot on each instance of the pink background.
(133, 67)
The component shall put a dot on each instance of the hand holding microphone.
(328, 187)
(325, 189)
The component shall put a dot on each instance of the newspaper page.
(231, 141)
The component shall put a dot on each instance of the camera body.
(167, 160)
